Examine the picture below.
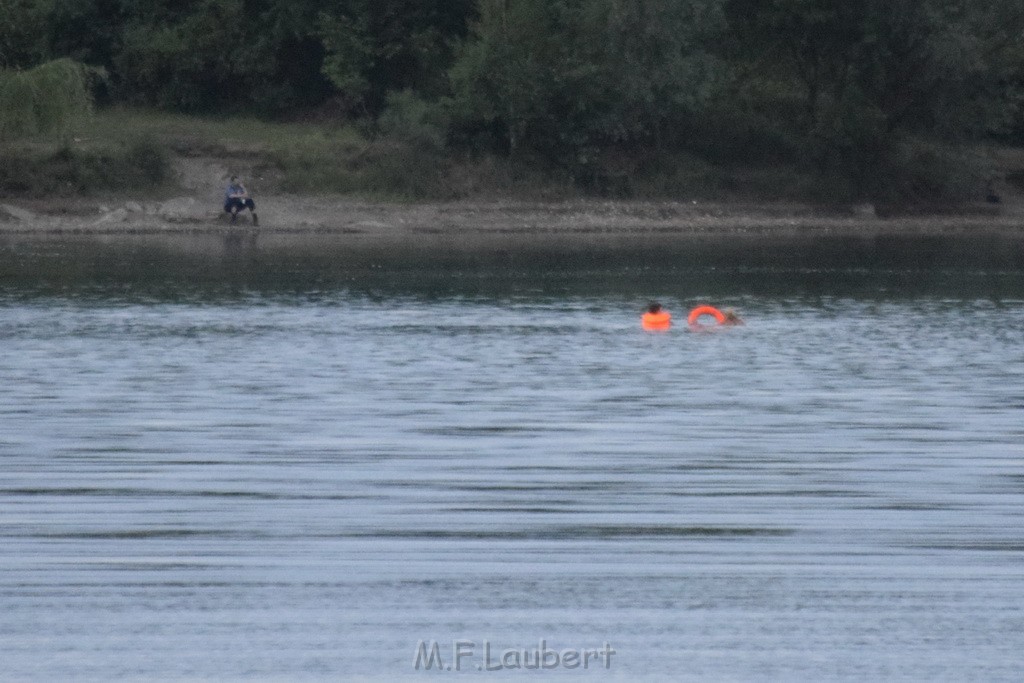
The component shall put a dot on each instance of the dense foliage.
(875, 95)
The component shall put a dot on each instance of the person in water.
(704, 311)
(656, 319)
(236, 198)
(731, 318)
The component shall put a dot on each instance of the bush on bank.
(34, 171)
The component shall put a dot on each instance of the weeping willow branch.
(49, 98)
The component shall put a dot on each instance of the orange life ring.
(656, 322)
(705, 310)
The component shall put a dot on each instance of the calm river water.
(216, 480)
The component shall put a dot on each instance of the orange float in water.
(696, 313)
(656, 322)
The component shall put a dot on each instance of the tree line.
(873, 93)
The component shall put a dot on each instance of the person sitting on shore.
(236, 198)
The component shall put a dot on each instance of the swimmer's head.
(731, 317)
(654, 307)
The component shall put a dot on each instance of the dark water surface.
(291, 472)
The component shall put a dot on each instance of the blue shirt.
(233, 189)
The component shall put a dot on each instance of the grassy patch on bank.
(129, 151)
(302, 157)
(403, 158)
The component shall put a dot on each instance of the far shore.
(592, 224)
(187, 217)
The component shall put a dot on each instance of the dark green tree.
(22, 33)
(215, 55)
(569, 79)
(873, 76)
(374, 47)
(510, 76)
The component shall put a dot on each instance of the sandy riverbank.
(583, 221)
